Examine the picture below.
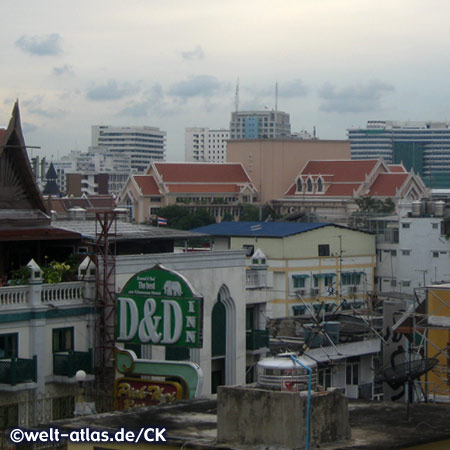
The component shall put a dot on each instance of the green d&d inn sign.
(159, 306)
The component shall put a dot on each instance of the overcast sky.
(174, 64)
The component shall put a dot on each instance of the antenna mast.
(236, 97)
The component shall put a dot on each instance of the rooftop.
(261, 229)
(193, 424)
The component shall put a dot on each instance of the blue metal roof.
(261, 229)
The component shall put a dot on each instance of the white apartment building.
(203, 144)
(412, 251)
(267, 124)
(142, 144)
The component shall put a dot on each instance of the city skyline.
(175, 65)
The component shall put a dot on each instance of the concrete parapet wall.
(255, 416)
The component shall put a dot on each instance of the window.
(324, 250)
(62, 339)
(154, 211)
(393, 252)
(328, 280)
(298, 281)
(351, 278)
(325, 377)
(406, 252)
(406, 283)
(309, 185)
(299, 185)
(435, 254)
(9, 345)
(155, 199)
(435, 226)
(351, 373)
(406, 225)
(249, 249)
(319, 185)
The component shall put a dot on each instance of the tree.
(181, 218)
(369, 204)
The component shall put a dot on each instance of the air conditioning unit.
(353, 289)
(315, 291)
(301, 292)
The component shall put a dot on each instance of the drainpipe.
(308, 403)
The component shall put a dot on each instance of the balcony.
(18, 370)
(257, 339)
(68, 364)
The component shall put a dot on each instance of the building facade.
(205, 145)
(329, 190)
(273, 164)
(142, 144)
(310, 263)
(260, 125)
(420, 146)
(221, 189)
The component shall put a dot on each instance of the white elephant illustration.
(172, 288)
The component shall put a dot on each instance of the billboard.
(158, 306)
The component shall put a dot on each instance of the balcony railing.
(256, 339)
(62, 292)
(67, 364)
(18, 370)
(13, 295)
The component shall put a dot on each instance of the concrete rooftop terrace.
(193, 424)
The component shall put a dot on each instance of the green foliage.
(20, 276)
(250, 213)
(369, 204)
(180, 218)
(55, 272)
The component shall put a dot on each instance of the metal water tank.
(439, 208)
(416, 206)
(280, 371)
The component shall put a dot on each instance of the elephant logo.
(172, 288)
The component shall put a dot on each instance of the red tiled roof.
(291, 190)
(2, 134)
(147, 184)
(202, 173)
(396, 168)
(342, 170)
(204, 188)
(345, 189)
(386, 184)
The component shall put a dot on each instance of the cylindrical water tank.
(439, 208)
(416, 206)
(276, 371)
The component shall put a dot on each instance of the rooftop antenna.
(276, 101)
(236, 96)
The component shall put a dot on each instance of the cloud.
(195, 54)
(63, 70)
(40, 45)
(28, 127)
(112, 90)
(35, 105)
(353, 99)
(290, 89)
(153, 101)
(197, 86)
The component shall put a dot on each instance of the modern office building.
(268, 124)
(205, 145)
(421, 146)
(143, 144)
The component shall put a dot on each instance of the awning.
(300, 276)
(324, 275)
(353, 273)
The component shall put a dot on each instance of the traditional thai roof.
(349, 178)
(202, 172)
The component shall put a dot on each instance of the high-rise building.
(421, 146)
(143, 144)
(203, 144)
(268, 124)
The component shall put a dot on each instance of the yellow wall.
(439, 305)
(305, 245)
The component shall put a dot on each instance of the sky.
(174, 64)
